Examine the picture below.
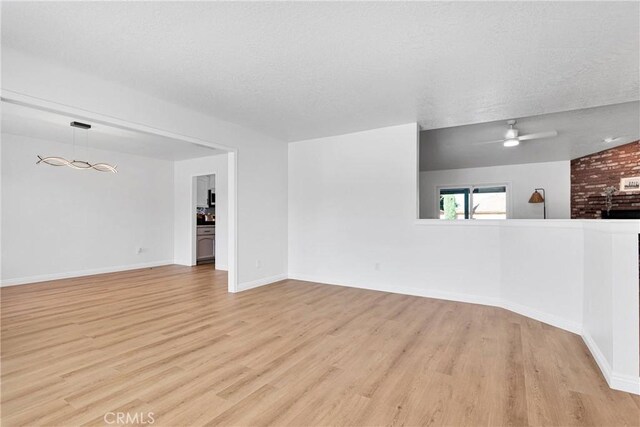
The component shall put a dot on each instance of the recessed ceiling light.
(511, 142)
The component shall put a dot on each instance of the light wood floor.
(172, 341)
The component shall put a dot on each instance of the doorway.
(156, 138)
(205, 213)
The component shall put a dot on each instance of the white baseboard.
(222, 267)
(549, 319)
(418, 292)
(459, 297)
(260, 282)
(79, 273)
(625, 383)
(616, 381)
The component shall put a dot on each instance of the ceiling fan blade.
(538, 135)
(489, 142)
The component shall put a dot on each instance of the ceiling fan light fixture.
(512, 132)
(512, 136)
(512, 142)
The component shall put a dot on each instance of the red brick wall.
(591, 174)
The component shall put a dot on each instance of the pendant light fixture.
(77, 164)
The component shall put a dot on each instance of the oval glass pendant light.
(77, 164)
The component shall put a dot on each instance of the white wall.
(184, 201)
(352, 209)
(611, 314)
(541, 270)
(60, 222)
(352, 206)
(554, 177)
(261, 160)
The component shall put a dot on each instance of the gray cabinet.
(205, 245)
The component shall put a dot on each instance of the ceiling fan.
(512, 137)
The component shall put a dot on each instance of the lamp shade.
(536, 197)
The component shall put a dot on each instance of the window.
(473, 202)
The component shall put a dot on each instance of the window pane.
(454, 203)
(489, 203)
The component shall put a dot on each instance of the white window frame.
(471, 187)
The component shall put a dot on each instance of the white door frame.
(54, 107)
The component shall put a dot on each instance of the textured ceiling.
(580, 132)
(25, 121)
(309, 69)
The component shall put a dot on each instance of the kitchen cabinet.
(203, 185)
(202, 191)
(205, 245)
(205, 248)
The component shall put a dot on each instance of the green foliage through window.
(449, 206)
